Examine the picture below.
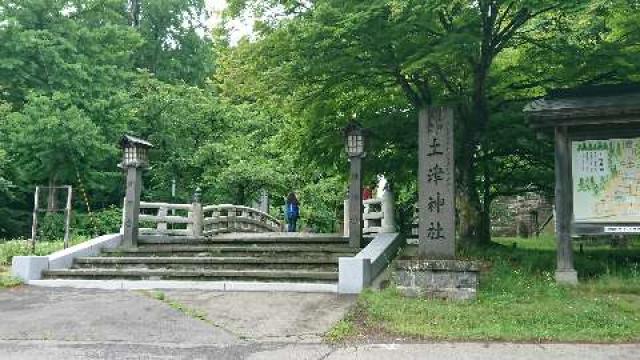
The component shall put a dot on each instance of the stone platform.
(444, 279)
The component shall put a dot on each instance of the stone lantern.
(135, 152)
(135, 159)
(354, 140)
(355, 148)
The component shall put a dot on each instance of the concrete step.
(269, 258)
(214, 241)
(307, 251)
(206, 260)
(249, 238)
(212, 267)
(208, 263)
(207, 275)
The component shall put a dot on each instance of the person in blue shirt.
(292, 211)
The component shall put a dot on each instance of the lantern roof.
(352, 126)
(132, 140)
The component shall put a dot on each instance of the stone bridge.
(196, 220)
(222, 247)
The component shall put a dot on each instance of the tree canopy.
(266, 113)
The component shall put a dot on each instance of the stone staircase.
(246, 257)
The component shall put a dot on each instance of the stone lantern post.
(354, 145)
(135, 159)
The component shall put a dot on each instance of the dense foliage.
(383, 61)
(266, 113)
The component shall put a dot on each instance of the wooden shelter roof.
(605, 104)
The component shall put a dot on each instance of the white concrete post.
(388, 224)
(124, 212)
(67, 216)
(366, 223)
(34, 225)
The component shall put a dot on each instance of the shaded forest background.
(267, 112)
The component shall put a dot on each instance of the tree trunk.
(468, 216)
(484, 233)
(474, 221)
(134, 12)
(468, 200)
(241, 196)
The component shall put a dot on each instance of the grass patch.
(6, 280)
(190, 312)
(544, 242)
(518, 300)
(21, 247)
(611, 284)
(344, 329)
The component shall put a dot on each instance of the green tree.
(420, 54)
(52, 141)
(248, 158)
(177, 46)
(82, 48)
(485, 58)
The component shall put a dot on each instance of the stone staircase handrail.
(357, 272)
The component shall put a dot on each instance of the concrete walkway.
(59, 323)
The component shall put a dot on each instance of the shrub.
(105, 221)
(51, 227)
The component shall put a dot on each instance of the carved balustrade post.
(197, 220)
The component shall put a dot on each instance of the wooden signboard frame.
(592, 113)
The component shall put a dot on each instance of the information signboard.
(606, 181)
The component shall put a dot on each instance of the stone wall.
(441, 279)
(522, 215)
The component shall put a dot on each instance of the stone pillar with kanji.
(435, 273)
(436, 185)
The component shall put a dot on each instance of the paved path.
(54, 323)
(283, 317)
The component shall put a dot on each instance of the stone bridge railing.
(196, 220)
(158, 218)
(378, 216)
(226, 218)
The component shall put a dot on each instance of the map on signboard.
(606, 180)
